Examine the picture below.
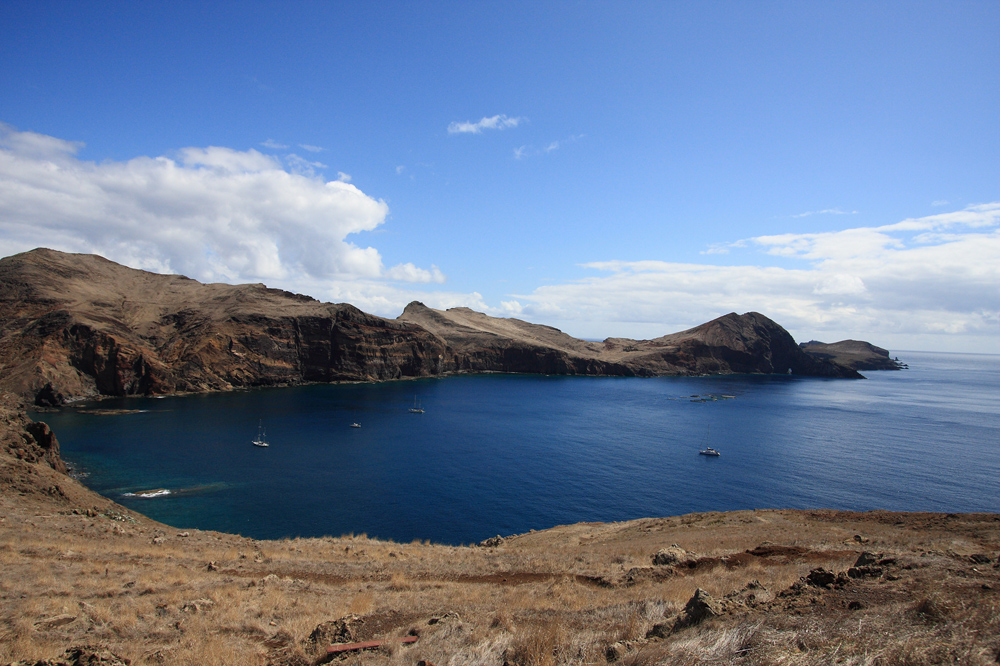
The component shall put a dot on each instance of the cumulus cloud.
(214, 214)
(497, 122)
(410, 273)
(908, 283)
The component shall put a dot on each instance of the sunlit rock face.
(75, 326)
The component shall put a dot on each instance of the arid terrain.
(85, 581)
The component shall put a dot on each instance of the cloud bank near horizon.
(919, 279)
(214, 214)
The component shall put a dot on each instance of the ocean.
(504, 454)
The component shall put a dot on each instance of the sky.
(626, 169)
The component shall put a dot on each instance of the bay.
(503, 454)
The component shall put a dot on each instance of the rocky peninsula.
(78, 326)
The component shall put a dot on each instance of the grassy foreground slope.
(78, 570)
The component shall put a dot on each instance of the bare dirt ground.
(776, 587)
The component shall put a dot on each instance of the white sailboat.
(261, 439)
(708, 450)
(416, 409)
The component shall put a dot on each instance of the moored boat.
(261, 439)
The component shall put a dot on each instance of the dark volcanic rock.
(854, 354)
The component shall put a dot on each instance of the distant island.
(76, 326)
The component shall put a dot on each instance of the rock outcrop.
(75, 326)
(855, 354)
(747, 343)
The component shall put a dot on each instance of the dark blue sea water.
(502, 454)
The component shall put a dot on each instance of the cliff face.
(78, 325)
(74, 326)
(854, 354)
(748, 343)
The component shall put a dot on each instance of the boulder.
(668, 557)
(821, 577)
(867, 559)
(343, 630)
(699, 608)
(865, 572)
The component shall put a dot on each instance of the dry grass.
(555, 597)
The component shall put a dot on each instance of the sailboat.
(416, 409)
(261, 435)
(708, 450)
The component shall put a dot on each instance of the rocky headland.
(78, 326)
(855, 354)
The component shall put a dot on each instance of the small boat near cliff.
(355, 425)
(416, 409)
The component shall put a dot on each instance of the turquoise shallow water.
(502, 454)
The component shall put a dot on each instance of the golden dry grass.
(571, 595)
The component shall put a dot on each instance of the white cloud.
(214, 214)
(343, 177)
(886, 284)
(274, 145)
(530, 150)
(939, 202)
(311, 149)
(410, 273)
(400, 169)
(35, 145)
(497, 122)
(303, 167)
(828, 211)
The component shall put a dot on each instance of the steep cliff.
(748, 343)
(75, 326)
(855, 354)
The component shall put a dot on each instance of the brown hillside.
(75, 326)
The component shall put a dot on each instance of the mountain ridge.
(76, 326)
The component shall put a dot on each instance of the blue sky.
(612, 169)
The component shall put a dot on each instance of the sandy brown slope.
(776, 587)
